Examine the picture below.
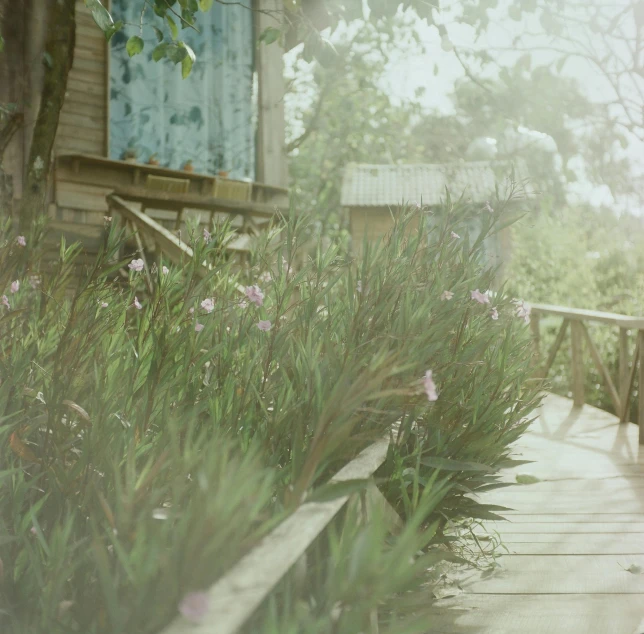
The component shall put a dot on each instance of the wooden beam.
(623, 368)
(555, 348)
(631, 381)
(577, 358)
(603, 370)
(577, 314)
(235, 596)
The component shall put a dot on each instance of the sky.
(412, 70)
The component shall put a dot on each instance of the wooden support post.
(623, 384)
(536, 337)
(640, 396)
(576, 337)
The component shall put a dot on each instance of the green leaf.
(47, 59)
(174, 29)
(269, 35)
(334, 490)
(159, 52)
(101, 16)
(187, 61)
(159, 33)
(205, 5)
(561, 63)
(113, 29)
(454, 465)
(134, 45)
(176, 52)
(527, 479)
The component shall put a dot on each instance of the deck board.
(575, 538)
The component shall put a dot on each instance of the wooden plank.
(577, 314)
(631, 382)
(551, 614)
(577, 359)
(555, 348)
(237, 594)
(572, 519)
(624, 359)
(602, 369)
(561, 574)
(574, 544)
(73, 119)
(90, 236)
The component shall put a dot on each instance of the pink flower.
(137, 304)
(206, 235)
(15, 286)
(447, 295)
(33, 530)
(21, 241)
(494, 314)
(198, 327)
(194, 606)
(191, 311)
(430, 386)
(104, 304)
(107, 219)
(136, 265)
(264, 325)
(34, 281)
(242, 304)
(5, 302)
(255, 295)
(523, 310)
(359, 286)
(208, 305)
(265, 277)
(455, 235)
(481, 298)
(488, 207)
(165, 270)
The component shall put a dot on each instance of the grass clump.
(155, 428)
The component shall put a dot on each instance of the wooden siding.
(83, 119)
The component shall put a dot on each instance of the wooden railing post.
(576, 337)
(624, 374)
(640, 396)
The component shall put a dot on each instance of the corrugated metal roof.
(388, 185)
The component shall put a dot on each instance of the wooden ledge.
(579, 314)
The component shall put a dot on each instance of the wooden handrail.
(580, 314)
(234, 597)
(620, 392)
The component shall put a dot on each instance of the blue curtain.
(207, 118)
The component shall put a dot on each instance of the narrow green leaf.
(134, 45)
(159, 33)
(187, 61)
(527, 479)
(454, 465)
(269, 35)
(159, 52)
(100, 15)
(172, 25)
(205, 5)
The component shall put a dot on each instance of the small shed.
(371, 194)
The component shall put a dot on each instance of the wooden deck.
(576, 537)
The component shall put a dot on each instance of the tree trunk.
(58, 58)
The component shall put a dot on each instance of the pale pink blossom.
(523, 310)
(21, 241)
(264, 325)
(104, 304)
(255, 295)
(137, 303)
(165, 270)
(242, 304)
(34, 281)
(430, 386)
(265, 277)
(359, 286)
(191, 311)
(208, 305)
(15, 286)
(5, 302)
(481, 298)
(107, 219)
(447, 295)
(194, 606)
(455, 235)
(198, 327)
(33, 530)
(136, 265)
(494, 314)
(488, 207)
(207, 235)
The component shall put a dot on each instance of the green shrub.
(152, 432)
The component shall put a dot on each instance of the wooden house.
(206, 147)
(373, 194)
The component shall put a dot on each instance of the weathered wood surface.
(575, 538)
(578, 314)
(234, 598)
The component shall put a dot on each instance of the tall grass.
(150, 437)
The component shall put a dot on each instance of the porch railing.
(576, 319)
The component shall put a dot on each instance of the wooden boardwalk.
(576, 537)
